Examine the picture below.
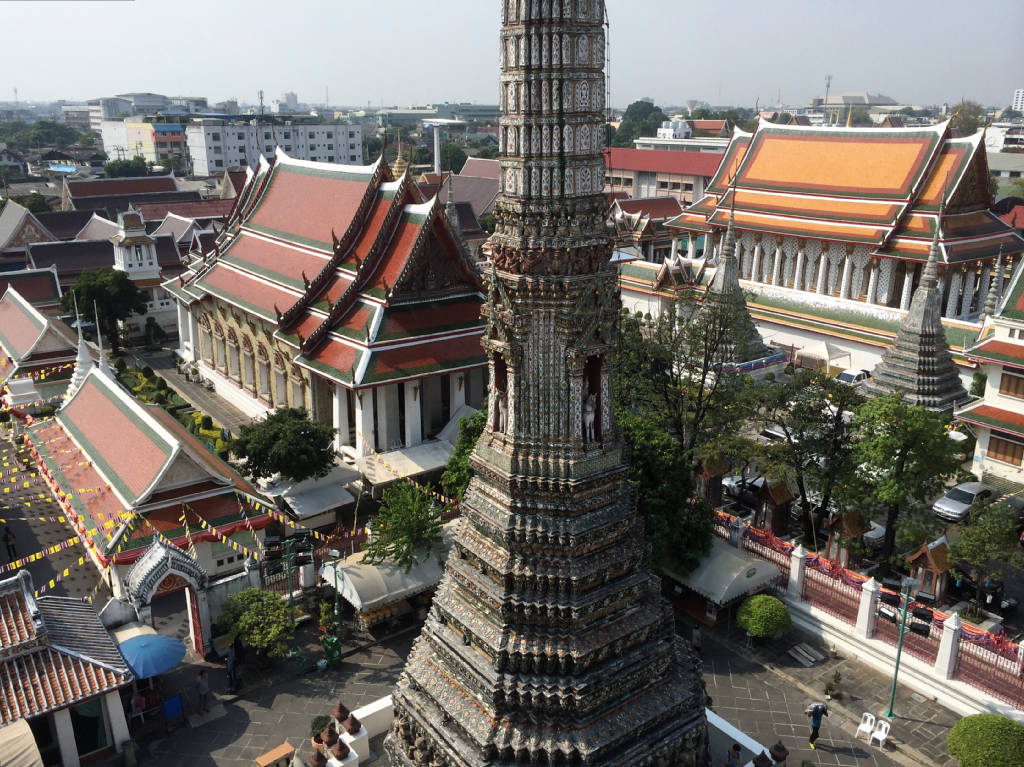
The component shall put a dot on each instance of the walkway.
(223, 413)
(764, 692)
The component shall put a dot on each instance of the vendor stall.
(724, 576)
(383, 592)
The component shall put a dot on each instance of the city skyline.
(735, 55)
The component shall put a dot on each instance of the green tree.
(372, 147)
(124, 168)
(987, 740)
(968, 116)
(115, 296)
(261, 619)
(35, 202)
(988, 545)
(813, 412)
(423, 155)
(763, 615)
(86, 138)
(288, 443)
(1010, 114)
(678, 525)
(1016, 187)
(488, 153)
(487, 222)
(457, 471)
(406, 529)
(861, 116)
(674, 369)
(452, 158)
(641, 118)
(20, 136)
(904, 459)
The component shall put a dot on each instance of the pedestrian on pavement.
(203, 683)
(9, 542)
(732, 757)
(815, 711)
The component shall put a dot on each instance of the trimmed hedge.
(762, 615)
(987, 740)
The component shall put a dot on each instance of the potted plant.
(316, 728)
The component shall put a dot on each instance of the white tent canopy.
(728, 573)
(18, 746)
(370, 587)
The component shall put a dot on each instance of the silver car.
(955, 504)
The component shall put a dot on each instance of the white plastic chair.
(881, 733)
(867, 724)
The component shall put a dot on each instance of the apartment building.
(215, 144)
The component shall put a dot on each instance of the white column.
(437, 150)
(66, 738)
(755, 265)
(364, 422)
(413, 419)
(387, 415)
(844, 286)
(949, 644)
(691, 246)
(339, 416)
(797, 564)
(675, 244)
(984, 286)
(866, 610)
(953, 299)
(709, 245)
(777, 265)
(970, 282)
(822, 272)
(193, 334)
(457, 390)
(115, 715)
(908, 286)
(873, 283)
(798, 275)
(183, 328)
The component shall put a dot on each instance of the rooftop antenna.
(260, 93)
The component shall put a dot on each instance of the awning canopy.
(727, 574)
(18, 745)
(369, 587)
(316, 495)
(405, 462)
(130, 630)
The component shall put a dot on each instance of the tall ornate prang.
(548, 641)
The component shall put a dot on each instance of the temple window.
(592, 399)
(1011, 385)
(1005, 450)
(500, 422)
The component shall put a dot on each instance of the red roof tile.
(398, 252)
(16, 625)
(304, 204)
(1014, 217)
(186, 209)
(409, 361)
(239, 288)
(108, 186)
(663, 161)
(272, 260)
(481, 168)
(20, 327)
(655, 207)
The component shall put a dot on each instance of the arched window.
(263, 366)
(280, 381)
(205, 340)
(298, 389)
(220, 359)
(234, 372)
(248, 365)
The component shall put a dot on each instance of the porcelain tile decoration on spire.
(548, 641)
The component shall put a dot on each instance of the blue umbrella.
(152, 654)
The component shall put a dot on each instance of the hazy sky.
(410, 51)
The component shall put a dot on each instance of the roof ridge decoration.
(83, 360)
(992, 299)
(919, 365)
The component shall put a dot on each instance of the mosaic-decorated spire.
(919, 365)
(548, 641)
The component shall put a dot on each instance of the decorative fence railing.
(987, 661)
(831, 594)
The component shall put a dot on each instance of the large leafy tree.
(452, 158)
(457, 471)
(286, 442)
(987, 740)
(642, 118)
(114, 295)
(20, 136)
(814, 415)
(988, 545)
(674, 369)
(904, 458)
(261, 619)
(968, 116)
(678, 524)
(406, 529)
(121, 168)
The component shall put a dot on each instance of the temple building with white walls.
(338, 289)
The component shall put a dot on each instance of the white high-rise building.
(1018, 100)
(214, 145)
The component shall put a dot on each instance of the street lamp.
(920, 613)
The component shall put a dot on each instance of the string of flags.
(188, 533)
(40, 554)
(224, 539)
(58, 577)
(248, 526)
(426, 490)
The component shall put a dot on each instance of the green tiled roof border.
(241, 302)
(345, 376)
(993, 423)
(371, 378)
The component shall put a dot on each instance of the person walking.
(815, 711)
(203, 685)
(9, 542)
(732, 756)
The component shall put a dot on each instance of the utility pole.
(828, 84)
